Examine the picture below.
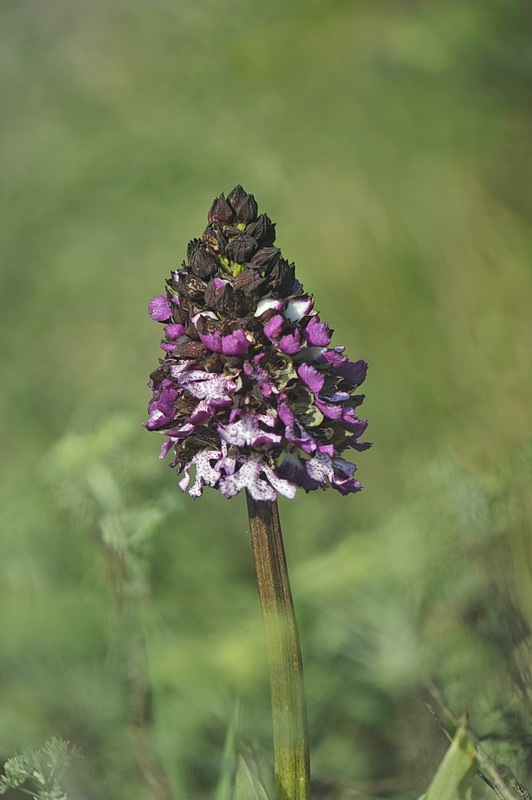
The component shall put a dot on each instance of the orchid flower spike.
(250, 393)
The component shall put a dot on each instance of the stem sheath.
(290, 731)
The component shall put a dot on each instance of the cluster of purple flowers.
(250, 393)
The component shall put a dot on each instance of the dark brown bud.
(158, 374)
(214, 362)
(220, 211)
(192, 288)
(266, 258)
(207, 325)
(263, 230)
(201, 439)
(180, 314)
(246, 210)
(231, 230)
(191, 332)
(188, 350)
(185, 404)
(221, 297)
(172, 287)
(241, 248)
(281, 278)
(249, 283)
(213, 238)
(236, 196)
(192, 247)
(202, 264)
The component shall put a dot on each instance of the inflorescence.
(250, 394)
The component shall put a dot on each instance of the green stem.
(290, 732)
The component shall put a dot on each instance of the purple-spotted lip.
(208, 386)
(249, 431)
(231, 475)
(259, 479)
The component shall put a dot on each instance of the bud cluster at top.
(250, 394)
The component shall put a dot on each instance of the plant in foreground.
(251, 395)
(39, 773)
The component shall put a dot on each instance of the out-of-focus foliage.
(390, 143)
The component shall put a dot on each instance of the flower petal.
(211, 386)
(247, 433)
(159, 308)
(293, 470)
(354, 372)
(274, 326)
(267, 303)
(235, 344)
(311, 377)
(212, 340)
(298, 307)
(206, 474)
(291, 343)
(174, 331)
(317, 333)
(248, 477)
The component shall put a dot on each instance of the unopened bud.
(266, 258)
(241, 248)
(236, 196)
(263, 230)
(202, 264)
(220, 211)
(246, 210)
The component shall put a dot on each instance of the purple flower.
(231, 344)
(174, 331)
(274, 326)
(235, 344)
(160, 308)
(250, 395)
(311, 377)
(354, 372)
(325, 469)
(291, 343)
(292, 468)
(317, 333)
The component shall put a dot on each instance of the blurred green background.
(391, 144)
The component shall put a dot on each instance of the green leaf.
(453, 777)
(248, 786)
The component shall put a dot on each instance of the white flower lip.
(297, 308)
(266, 303)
